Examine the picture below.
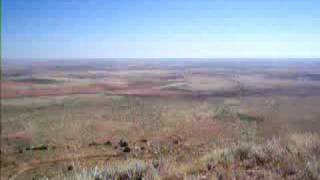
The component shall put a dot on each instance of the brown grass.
(296, 157)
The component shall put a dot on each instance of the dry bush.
(83, 174)
(130, 169)
(304, 144)
(272, 150)
(297, 157)
(214, 157)
(133, 169)
(312, 170)
(122, 170)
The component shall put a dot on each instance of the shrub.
(297, 157)
(132, 169)
(304, 144)
(83, 174)
(312, 170)
(122, 170)
(213, 158)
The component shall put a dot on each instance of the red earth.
(11, 89)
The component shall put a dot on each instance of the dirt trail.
(34, 165)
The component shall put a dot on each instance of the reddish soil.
(148, 92)
(12, 84)
(26, 167)
(22, 136)
(200, 130)
(14, 90)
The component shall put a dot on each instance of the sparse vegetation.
(37, 80)
(121, 124)
(297, 157)
(129, 169)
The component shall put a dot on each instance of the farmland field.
(60, 118)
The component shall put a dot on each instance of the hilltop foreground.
(294, 157)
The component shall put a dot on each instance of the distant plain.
(173, 110)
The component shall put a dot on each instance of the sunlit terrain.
(161, 118)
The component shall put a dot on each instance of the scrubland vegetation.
(294, 157)
(161, 121)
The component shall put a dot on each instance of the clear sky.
(160, 28)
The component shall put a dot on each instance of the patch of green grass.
(224, 112)
(247, 118)
(37, 148)
(37, 80)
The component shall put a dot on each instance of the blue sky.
(160, 28)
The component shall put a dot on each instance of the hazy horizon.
(258, 59)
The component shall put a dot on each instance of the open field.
(169, 119)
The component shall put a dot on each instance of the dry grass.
(129, 169)
(296, 157)
(210, 116)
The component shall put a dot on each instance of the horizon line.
(159, 58)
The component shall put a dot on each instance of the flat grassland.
(167, 119)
